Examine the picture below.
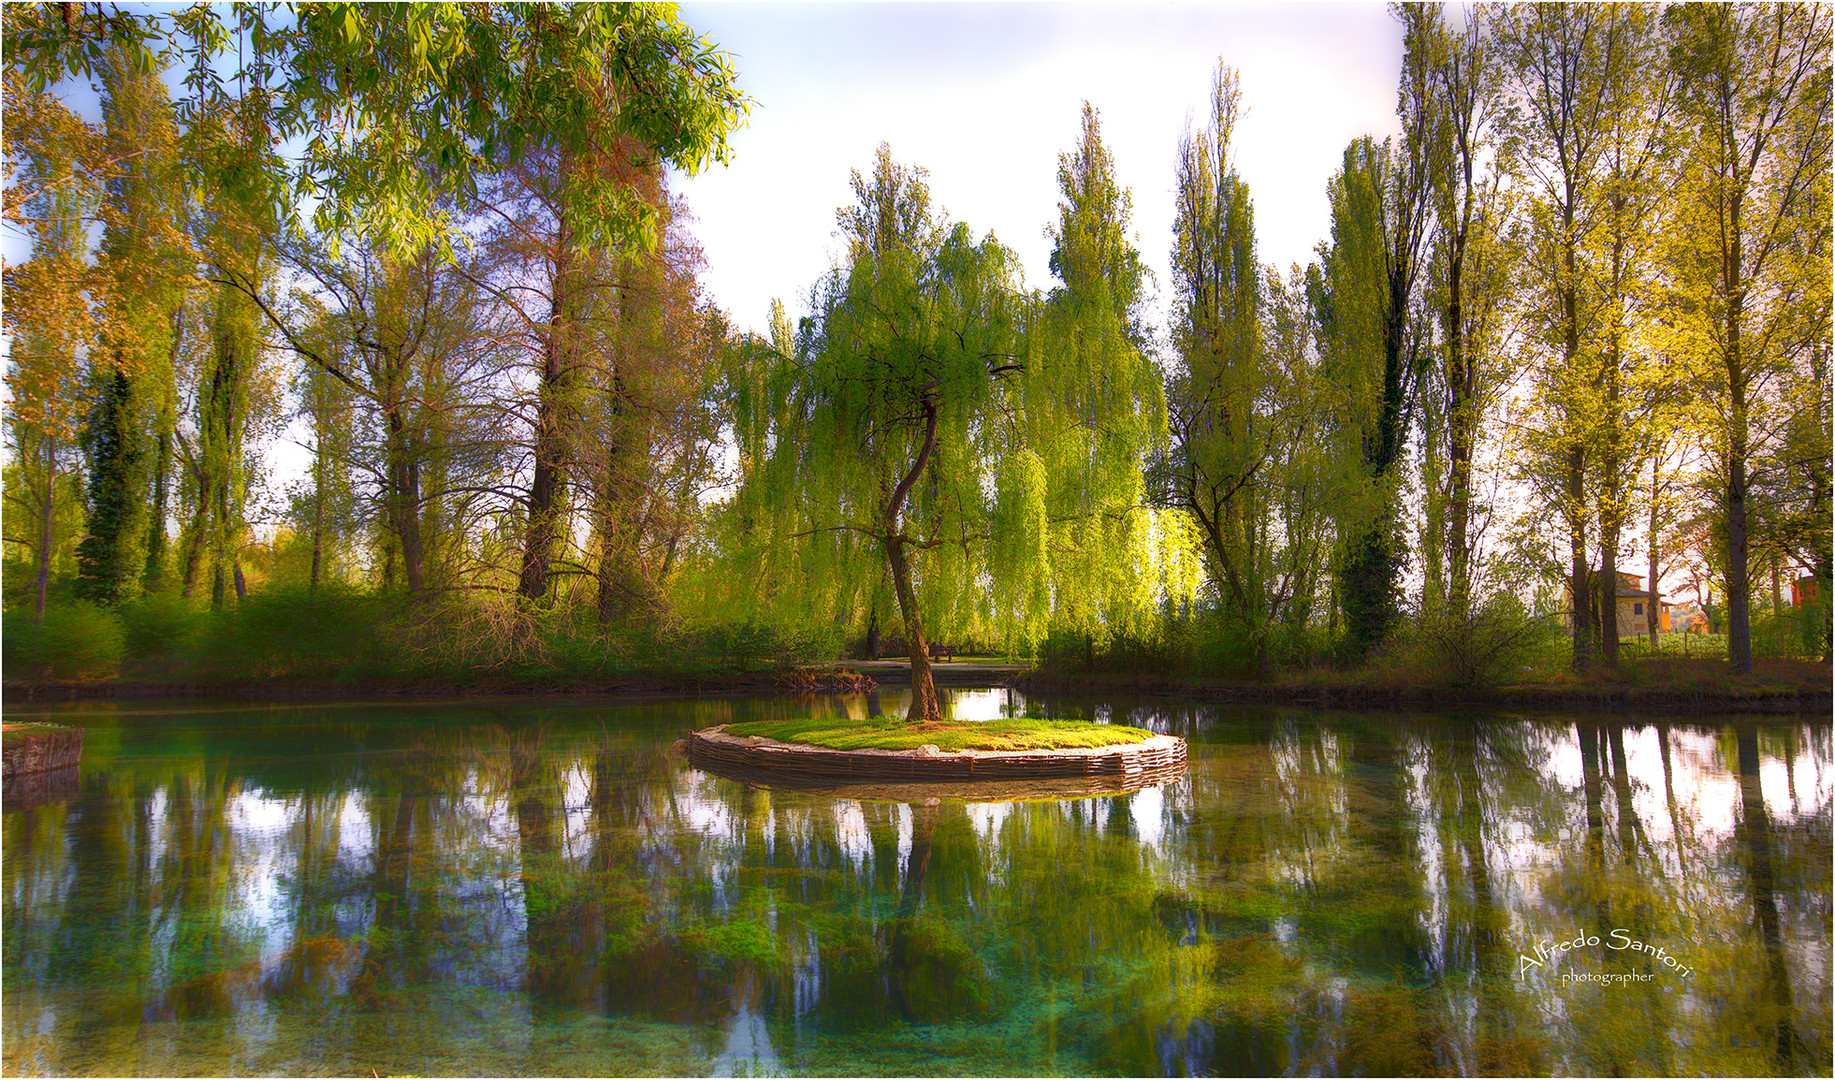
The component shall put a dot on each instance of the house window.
(1637, 609)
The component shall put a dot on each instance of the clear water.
(509, 888)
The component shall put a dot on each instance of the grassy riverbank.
(333, 645)
(1651, 683)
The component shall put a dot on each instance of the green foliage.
(25, 499)
(1498, 641)
(369, 90)
(1783, 634)
(1369, 348)
(328, 633)
(110, 559)
(1211, 643)
(161, 625)
(753, 645)
(734, 944)
(1370, 584)
(77, 640)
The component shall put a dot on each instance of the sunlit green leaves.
(403, 107)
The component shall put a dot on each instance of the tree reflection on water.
(549, 890)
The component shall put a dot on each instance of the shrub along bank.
(345, 637)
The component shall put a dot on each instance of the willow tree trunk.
(626, 590)
(550, 437)
(153, 574)
(404, 502)
(924, 707)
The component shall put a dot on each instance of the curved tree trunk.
(924, 705)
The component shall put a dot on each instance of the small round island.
(819, 753)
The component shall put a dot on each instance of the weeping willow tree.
(1108, 560)
(924, 434)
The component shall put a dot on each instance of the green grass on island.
(28, 727)
(948, 736)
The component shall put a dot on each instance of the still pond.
(509, 888)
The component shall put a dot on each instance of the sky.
(986, 96)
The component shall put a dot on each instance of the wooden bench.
(942, 652)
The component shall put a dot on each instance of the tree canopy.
(402, 110)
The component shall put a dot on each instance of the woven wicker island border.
(1160, 757)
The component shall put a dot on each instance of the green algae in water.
(519, 889)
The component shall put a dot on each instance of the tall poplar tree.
(1371, 344)
(1216, 333)
(1557, 134)
(1242, 400)
(1755, 99)
(127, 439)
(1469, 279)
(235, 232)
(1636, 151)
(644, 449)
